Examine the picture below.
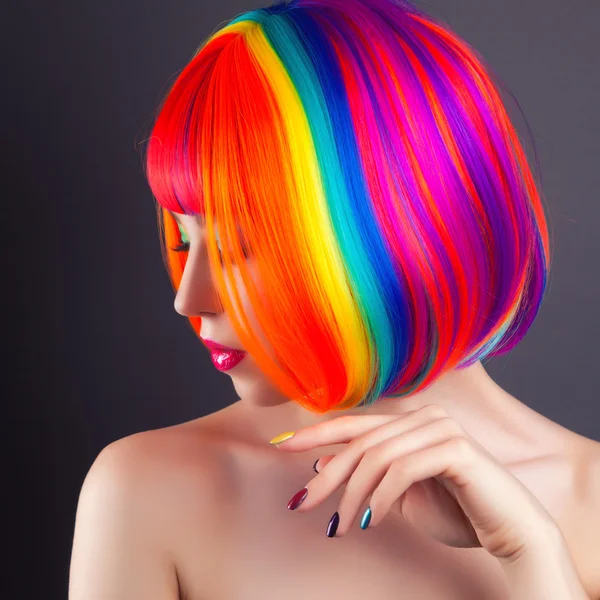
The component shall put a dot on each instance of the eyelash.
(185, 246)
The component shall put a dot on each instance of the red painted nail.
(297, 499)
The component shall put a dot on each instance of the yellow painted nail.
(281, 438)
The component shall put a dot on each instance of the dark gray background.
(94, 348)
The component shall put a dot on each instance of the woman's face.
(197, 297)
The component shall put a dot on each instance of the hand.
(423, 466)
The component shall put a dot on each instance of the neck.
(502, 424)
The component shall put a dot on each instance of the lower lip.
(224, 361)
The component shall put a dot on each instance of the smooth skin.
(472, 500)
(198, 510)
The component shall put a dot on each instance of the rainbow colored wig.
(362, 154)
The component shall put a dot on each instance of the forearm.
(545, 572)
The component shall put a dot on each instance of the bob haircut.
(362, 154)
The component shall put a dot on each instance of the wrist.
(544, 569)
(545, 543)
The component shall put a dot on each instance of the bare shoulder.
(169, 456)
(587, 494)
(587, 490)
(178, 470)
(589, 474)
(140, 498)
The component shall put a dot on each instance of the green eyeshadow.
(184, 237)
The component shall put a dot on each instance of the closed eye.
(185, 244)
(185, 247)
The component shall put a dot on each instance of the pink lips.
(223, 358)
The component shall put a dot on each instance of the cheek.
(247, 306)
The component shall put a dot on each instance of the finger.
(377, 461)
(336, 431)
(410, 435)
(347, 428)
(320, 463)
(445, 459)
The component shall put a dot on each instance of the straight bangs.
(361, 153)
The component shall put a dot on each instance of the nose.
(196, 294)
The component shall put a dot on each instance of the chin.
(255, 390)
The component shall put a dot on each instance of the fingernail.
(297, 499)
(315, 466)
(333, 524)
(281, 438)
(366, 519)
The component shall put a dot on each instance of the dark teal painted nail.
(366, 519)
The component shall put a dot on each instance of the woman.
(379, 235)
